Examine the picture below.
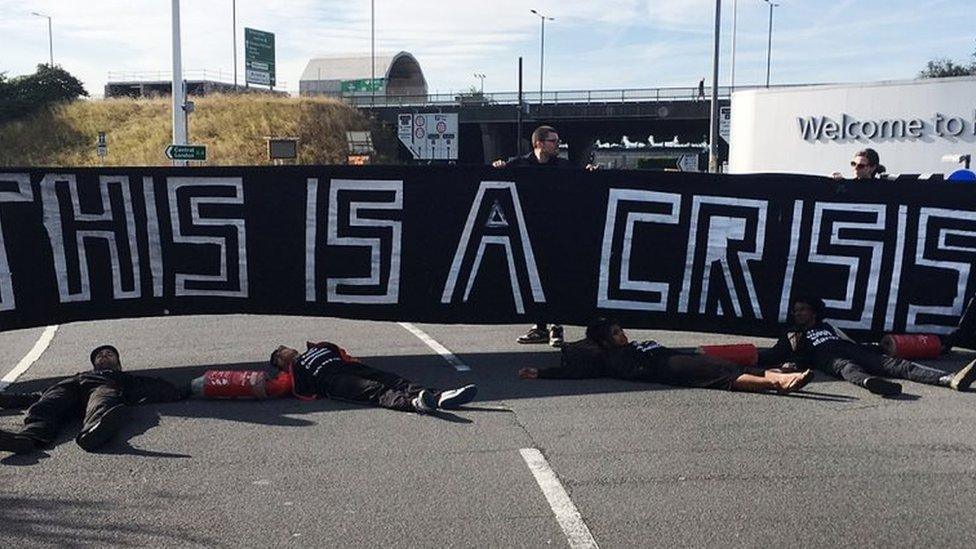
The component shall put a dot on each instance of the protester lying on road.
(606, 352)
(814, 341)
(326, 370)
(103, 394)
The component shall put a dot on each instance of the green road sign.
(363, 85)
(186, 152)
(259, 57)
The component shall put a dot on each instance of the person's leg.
(104, 416)
(964, 335)
(718, 373)
(887, 366)
(56, 405)
(366, 385)
(853, 372)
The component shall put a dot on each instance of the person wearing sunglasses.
(865, 165)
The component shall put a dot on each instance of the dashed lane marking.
(568, 517)
(31, 357)
(437, 347)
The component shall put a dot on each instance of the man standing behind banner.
(545, 152)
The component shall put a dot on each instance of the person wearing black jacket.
(606, 352)
(327, 370)
(103, 395)
(814, 341)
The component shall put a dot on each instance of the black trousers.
(360, 383)
(857, 365)
(91, 395)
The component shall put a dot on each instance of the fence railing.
(629, 95)
(224, 77)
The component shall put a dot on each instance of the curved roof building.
(396, 75)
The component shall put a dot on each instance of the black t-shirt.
(817, 345)
(312, 367)
(643, 360)
(531, 159)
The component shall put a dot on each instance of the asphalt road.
(643, 465)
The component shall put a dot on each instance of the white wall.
(766, 132)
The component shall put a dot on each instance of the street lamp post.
(233, 7)
(50, 36)
(713, 163)
(481, 77)
(542, 48)
(735, 10)
(769, 42)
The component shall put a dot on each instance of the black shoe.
(16, 443)
(455, 398)
(556, 336)
(535, 335)
(98, 434)
(883, 387)
(962, 379)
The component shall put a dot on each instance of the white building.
(817, 129)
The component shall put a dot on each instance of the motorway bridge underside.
(489, 131)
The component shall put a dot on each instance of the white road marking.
(568, 517)
(30, 358)
(437, 347)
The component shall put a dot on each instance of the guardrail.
(640, 95)
(194, 74)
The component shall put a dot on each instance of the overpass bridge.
(489, 122)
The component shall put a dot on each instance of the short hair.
(814, 302)
(101, 348)
(599, 329)
(542, 133)
(873, 159)
(274, 355)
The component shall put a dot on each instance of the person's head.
(606, 332)
(546, 140)
(105, 357)
(866, 164)
(807, 310)
(282, 357)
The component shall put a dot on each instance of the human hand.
(592, 167)
(528, 373)
(498, 163)
(837, 175)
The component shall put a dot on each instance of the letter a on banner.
(495, 228)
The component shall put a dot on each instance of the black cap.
(96, 350)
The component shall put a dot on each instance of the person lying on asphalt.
(814, 341)
(101, 397)
(607, 352)
(327, 370)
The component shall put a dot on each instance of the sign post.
(259, 57)
(186, 152)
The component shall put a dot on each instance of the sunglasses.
(858, 166)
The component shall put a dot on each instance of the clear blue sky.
(590, 45)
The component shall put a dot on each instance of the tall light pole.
(713, 116)
(769, 42)
(179, 114)
(481, 77)
(735, 11)
(542, 48)
(50, 36)
(233, 9)
(372, 51)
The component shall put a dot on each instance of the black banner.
(480, 245)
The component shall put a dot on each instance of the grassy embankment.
(233, 127)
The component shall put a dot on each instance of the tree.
(943, 68)
(49, 85)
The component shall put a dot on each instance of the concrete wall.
(817, 129)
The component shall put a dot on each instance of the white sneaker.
(455, 398)
(424, 402)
